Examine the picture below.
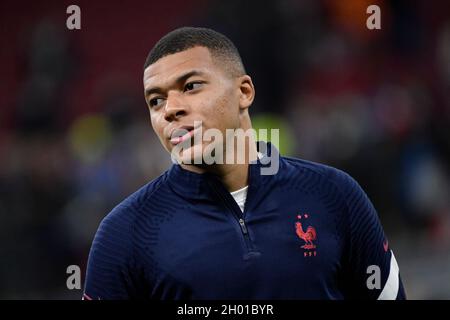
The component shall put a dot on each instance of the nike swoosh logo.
(86, 297)
(386, 245)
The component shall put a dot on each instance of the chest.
(278, 248)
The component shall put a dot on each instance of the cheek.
(228, 109)
(224, 104)
(221, 105)
(157, 124)
(153, 122)
(219, 108)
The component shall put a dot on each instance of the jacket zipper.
(239, 217)
(243, 227)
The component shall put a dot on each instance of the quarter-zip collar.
(197, 186)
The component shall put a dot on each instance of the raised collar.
(197, 186)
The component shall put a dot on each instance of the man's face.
(190, 86)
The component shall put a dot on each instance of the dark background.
(75, 135)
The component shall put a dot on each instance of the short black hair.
(188, 37)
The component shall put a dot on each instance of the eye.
(192, 85)
(156, 102)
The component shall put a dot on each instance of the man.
(227, 230)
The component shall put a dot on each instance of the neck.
(234, 176)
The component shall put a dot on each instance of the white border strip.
(390, 289)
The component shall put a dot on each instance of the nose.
(175, 108)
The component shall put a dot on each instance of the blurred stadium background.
(75, 136)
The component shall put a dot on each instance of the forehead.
(173, 65)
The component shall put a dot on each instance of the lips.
(181, 134)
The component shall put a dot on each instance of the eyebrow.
(179, 79)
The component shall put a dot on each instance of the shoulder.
(313, 175)
(120, 221)
(336, 187)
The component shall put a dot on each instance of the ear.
(246, 92)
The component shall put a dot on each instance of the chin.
(197, 155)
(190, 155)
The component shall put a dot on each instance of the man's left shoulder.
(316, 176)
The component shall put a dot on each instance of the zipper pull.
(243, 227)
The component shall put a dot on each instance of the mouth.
(181, 134)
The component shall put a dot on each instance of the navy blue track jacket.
(307, 232)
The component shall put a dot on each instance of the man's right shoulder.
(128, 210)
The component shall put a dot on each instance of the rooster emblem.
(309, 236)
